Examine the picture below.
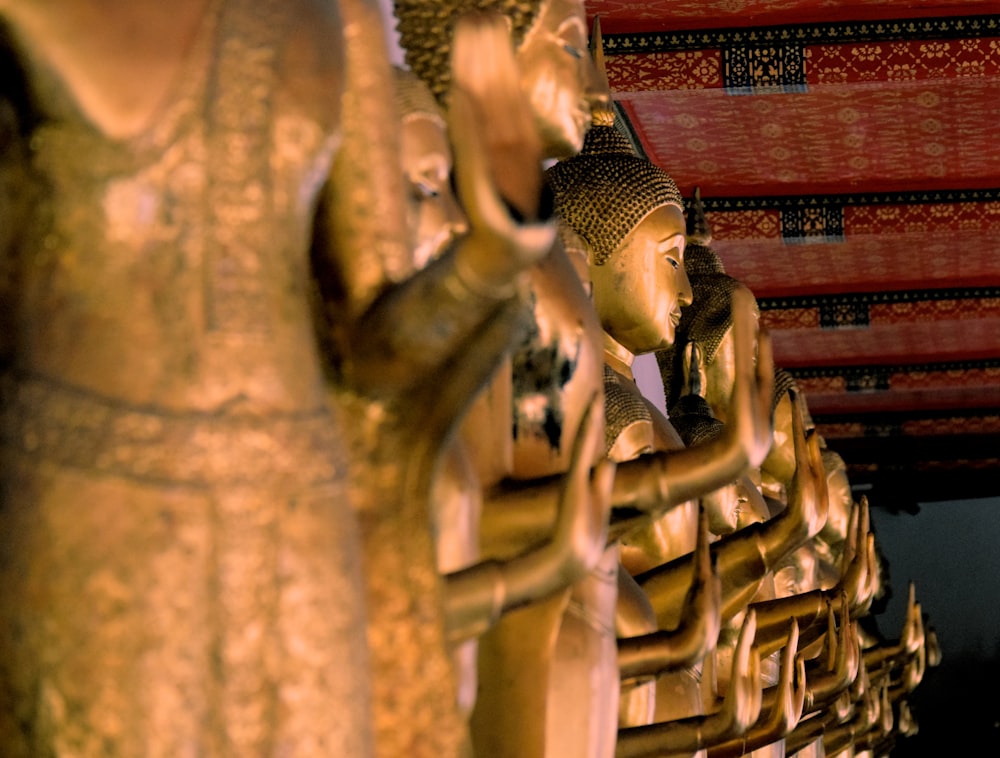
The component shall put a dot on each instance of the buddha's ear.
(693, 362)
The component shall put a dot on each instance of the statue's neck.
(618, 357)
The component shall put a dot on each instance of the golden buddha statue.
(704, 350)
(707, 325)
(736, 506)
(631, 216)
(709, 322)
(476, 594)
(550, 37)
(180, 572)
(739, 503)
(653, 195)
(549, 382)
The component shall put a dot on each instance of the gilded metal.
(304, 453)
(181, 572)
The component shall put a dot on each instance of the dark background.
(950, 550)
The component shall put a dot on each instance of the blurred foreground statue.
(179, 571)
(179, 568)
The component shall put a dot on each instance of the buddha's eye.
(673, 262)
(423, 191)
(574, 51)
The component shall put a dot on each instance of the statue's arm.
(739, 710)
(660, 480)
(697, 631)
(476, 597)
(392, 328)
(746, 556)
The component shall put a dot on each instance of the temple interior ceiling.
(846, 152)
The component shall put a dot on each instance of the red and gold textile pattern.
(655, 15)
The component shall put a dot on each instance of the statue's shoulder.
(628, 427)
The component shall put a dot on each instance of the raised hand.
(740, 709)
(791, 691)
(843, 660)
(808, 501)
(581, 531)
(700, 621)
(742, 703)
(750, 406)
(497, 155)
(478, 595)
(856, 563)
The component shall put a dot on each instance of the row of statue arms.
(319, 430)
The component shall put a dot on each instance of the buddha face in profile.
(720, 378)
(558, 76)
(557, 73)
(433, 213)
(640, 290)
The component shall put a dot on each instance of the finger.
(854, 651)
(799, 443)
(588, 520)
(601, 487)
(801, 686)
(791, 679)
(816, 465)
(702, 553)
(747, 633)
(744, 331)
(707, 584)
(765, 370)
(588, 440)
(832, 646)
(472, 181)
(487, 70)
(744, 696)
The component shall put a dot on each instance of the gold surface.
(319, 435)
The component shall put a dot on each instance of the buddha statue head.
(433, 214)
(708, 322)
(630, 213)
(550, 36)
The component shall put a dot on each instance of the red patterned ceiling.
(847, 153)
(659, 15)
(870, 116)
